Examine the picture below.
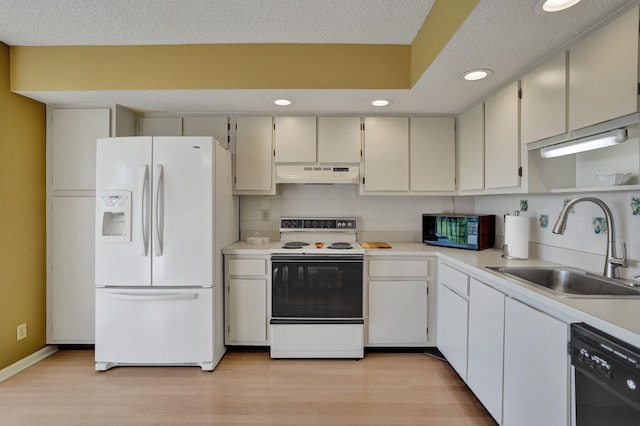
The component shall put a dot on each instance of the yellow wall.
(239, 66)
(22, 220)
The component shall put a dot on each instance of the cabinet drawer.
(248, 267)
(454, 279)
(398, 268)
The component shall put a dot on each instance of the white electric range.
(317, 290)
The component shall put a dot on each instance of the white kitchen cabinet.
(295, 139)
(73, 146)
(501, 138)
(339, 140)
(246, 300)
(536, 367)
(486, 343)
(453, 317)
(254, 156)
(470, 149)
(386, 154)
(432, 149)
(603, 73)
(72, 278)
(215, 126)
(544, 100)
(397, 302)
(71, 160)
(160, 126)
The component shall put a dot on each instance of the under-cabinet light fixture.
(601, 140)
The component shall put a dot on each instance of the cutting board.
(375, 245)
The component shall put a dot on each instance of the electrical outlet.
(265, 215)
(21, 331)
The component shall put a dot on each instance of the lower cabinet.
(453, 315)
(397, 302)
(246, 304)
(511, 355)
(486, 343)
(536, 367)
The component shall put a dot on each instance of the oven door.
(317, 287)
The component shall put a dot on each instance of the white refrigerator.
(164, 210)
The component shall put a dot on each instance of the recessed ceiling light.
(478, 74)
(283, 102)
(380, 102)
(550, 6)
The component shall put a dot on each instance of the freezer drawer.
(154, 327)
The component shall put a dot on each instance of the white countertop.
(617, 316)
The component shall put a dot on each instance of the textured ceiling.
(507, 36)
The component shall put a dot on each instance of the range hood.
(317, 174)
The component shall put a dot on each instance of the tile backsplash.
(385, 214)
(399, 218)
(585, 239)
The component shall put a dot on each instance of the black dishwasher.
(607, 378)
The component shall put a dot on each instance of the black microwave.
(472, 232)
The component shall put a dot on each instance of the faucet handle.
(620, 261)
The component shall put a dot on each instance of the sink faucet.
(611, 262)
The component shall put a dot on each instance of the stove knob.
(315, 223)
(631, 384)
(307, 224)
(350, 224)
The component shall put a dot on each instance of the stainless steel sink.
(571, 282)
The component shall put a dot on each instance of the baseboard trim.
(27, 362)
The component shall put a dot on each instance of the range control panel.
(317, 224)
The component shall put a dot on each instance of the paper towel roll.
(516, 237)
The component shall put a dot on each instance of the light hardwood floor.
(245, 388)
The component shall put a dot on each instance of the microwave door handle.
(158, 209)
(144, 216)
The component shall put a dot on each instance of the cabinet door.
(432, 147)
(603, 73)
(295, 139)
(160, 126)
(217, 127)
(386, 153)
(398, 313)
(536, 367)
(247, 310)
(544, 100)
(339, 140)
(73, 146)
(254, 154)
(71, 303)
(502, 135)
(453, 314)
(486, 343)
(470, 149)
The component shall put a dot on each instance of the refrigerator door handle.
(158, 183)
(153, 296)
(144, 216)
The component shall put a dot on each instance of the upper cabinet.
(339, 140)
(216, 126)
(502, 138)
(160, 126)
(603, 73)
(295, 139)
(386, 154)
(432, 148)
(73, 146)
(470, 149)
(254, 156)
(543, 103)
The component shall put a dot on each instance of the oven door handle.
(318, 259)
